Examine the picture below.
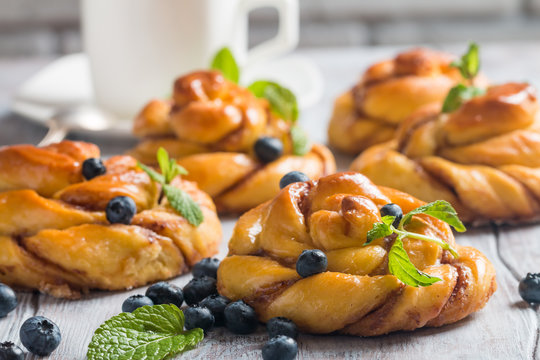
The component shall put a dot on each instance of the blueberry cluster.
(38, 334)
(282, 344)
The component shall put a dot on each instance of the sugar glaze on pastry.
(387, 93)
(484, 158)
(54, 236)
(210, 125)
(356, 295)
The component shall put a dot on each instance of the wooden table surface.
(506, 328)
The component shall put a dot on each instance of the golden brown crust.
(211, 125)
(357, 295)
(483, 158)
(387, 93)
(55, 237)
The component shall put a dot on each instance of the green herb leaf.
(439, 209)
(151, 333)
(380, 230)
(458, 95)
(300, 141)
(224, 61)
(282, 100)
(169, 168)
(154, 175)
(401, 267)
(469, 64)
(184, 204)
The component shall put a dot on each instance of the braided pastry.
(210, 126)
(357, 295)
(484, 158)
(388, 93)
(54, 234)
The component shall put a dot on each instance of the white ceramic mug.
(138, 47)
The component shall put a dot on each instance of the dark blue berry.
(311, 262)
(240, 318)
(281, 326)
(134, 302)
(292, 177)
(392, 210)
(40, 335)
(165, 293)
(8, 300)
(120, 210)
(206, 267)
(216, 304)
(529, 288)
(10, 351)
(268, 149)
(198, 317)
(199, 288)
(93, 167)
(280, 347)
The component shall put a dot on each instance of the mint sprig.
(282, 100)
(469, 64)
(399, 263)
(178, 199)
(300, 141)
(224, 61)
(458, 95)
(150, 333)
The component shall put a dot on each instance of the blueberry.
(165, 293)
(10, 351)
(281, 326)
(240, 318)
(134, 302)
(199, 317)
(280, 347)
(199, 288)
(40, 335)
(529, 288)
(268, 149)
(292, 177)
(392, 210)
(206, 267)
(120, 210)
(8, 300)
(216, 304)
(311, 262)
(93, 167)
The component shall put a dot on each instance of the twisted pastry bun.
(387, 93)
(484, 158)
(54, 235)
(211, 126)
(357, 295)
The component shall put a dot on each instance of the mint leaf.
(400, 265)
(169, 168)
(439, 209)
(224, 61)
(380, 230)
(184, 204)
(300, 141)
(458, 95)
(154, 175)
(469, 64)
(282, 100)
(163, 160)
(150, 333)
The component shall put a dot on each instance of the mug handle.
(287, 36)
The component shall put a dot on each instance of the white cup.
(138, 47)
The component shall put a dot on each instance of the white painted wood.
(505, 329)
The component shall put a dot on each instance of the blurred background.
(51, 27)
